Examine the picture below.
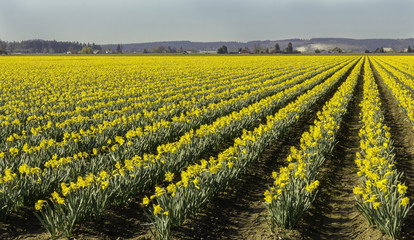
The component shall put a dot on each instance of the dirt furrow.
(402, 136)
(334, 215)
(239, 212)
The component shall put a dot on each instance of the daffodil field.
(81, 135)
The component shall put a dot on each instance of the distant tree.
(367, 51)
(240, 50)
(317, 51)
(2, 48)
(145, 50)
(86, 50)
(259, 49)
(159, 49)
(277, 48)
(222, 50)
(41, 46)
(336, 50)
(96, 47)
(379, 50)
(255, 48)
(171, 50)
(267, 50)
(72, 50)
(119, 48)
(289, 48)
(409, 50)
(225, 49)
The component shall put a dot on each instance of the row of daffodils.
(145, 169)
(91, 194)
(165, 127)
(32, 182)
(401, 87)
(204, 180)
(295, 186)
(80, 135)
(402, 69)
(381, 197)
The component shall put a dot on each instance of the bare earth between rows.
(239, 212)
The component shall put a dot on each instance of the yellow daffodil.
(39, 205)
(405, 201)
(145, 201)
(169, 176)
(157, 209)
(402, 188)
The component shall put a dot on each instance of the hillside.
(303, 45)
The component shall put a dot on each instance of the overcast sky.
(130, 21)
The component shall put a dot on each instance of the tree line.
(44, 46)
(260, 50)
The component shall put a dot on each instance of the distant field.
(212, 147)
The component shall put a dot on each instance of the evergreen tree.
(119, 48)
(2, 48)
(289, 48)
(277, 48)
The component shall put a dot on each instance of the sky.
(136, 21)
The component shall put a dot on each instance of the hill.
(303, 45)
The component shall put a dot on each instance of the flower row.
(202, 181)
(381, 196)
(23, 186)
(294, 187)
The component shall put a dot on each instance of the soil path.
(239, 212)
(403, 140)
(334, 215)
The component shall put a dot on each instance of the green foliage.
(277, 48)
(43, 46)
(2, 48)
(222, 50)
(289, 48)
(86, 50)
(118, 48)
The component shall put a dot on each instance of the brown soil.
(22, 225)
(239, 212)
(122, 223)
(333, 215)
(403, 140)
